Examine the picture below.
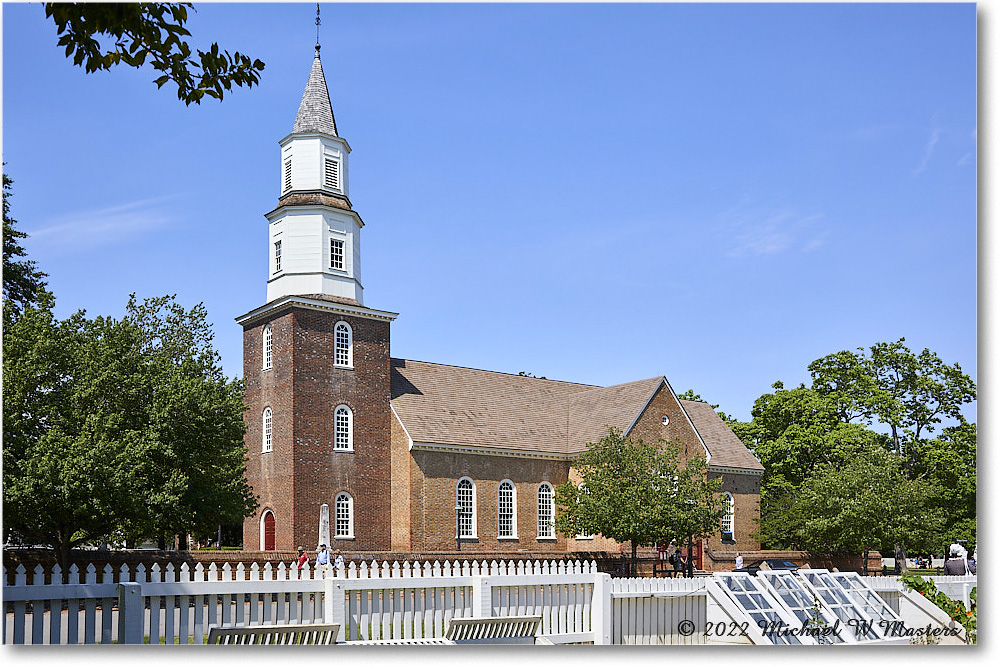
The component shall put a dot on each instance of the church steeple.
(315, 239)
(315, 111)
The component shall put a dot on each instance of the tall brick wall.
(303, 389)
(433, 478)
(745, 489)
(649, 428)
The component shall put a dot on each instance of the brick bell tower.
(315, 359)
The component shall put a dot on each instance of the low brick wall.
(716, 560)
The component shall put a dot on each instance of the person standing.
(303, 558)
(322, 558)
(338, 563)
(739, 561)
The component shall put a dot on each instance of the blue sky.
(596, 193)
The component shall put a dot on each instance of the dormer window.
(288, 175)
(331, 174)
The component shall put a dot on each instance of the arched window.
(343, 516)
(343, 432)
(546, 511)
(343, 353)
(267, 347)
(465, 498)
(267, 531)
(583, 535)
(506, 510)
(266, 440)
(729, 519)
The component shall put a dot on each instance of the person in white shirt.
(739, 560)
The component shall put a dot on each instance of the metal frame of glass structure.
(774, 620)
(806, 605)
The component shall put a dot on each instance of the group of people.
(322, 558)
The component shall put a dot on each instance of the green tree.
(137, 32)
(21, 279)
(640, 493)
(118, 427)
(863, 503)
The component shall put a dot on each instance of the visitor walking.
(338, 563)
(322, 558)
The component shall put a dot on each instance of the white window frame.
(267, 430)
(263, 515)
(268, 346)
(343, 409)
(349, 503)
(277, 256)
(512, 535)
(334, 241)
(337, 345)
(729, 519)
(468, 518)
(549, 509)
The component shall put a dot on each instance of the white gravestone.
(324, 525)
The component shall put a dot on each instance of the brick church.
(405, 454)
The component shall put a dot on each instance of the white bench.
(287, 634)
(516, 630)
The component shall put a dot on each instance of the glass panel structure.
(889, 623)
(851, 616)
(805, 605)
(764, 611)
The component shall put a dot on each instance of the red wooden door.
(269, 531)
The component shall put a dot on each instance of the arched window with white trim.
(343, 516)
(729, 519)
(546, 511)
(465, 499)
(343, 348)
(267, 441)
(343, 429)
(267, 347)
(506, 510)
(267, 530)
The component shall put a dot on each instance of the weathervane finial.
(317, 28)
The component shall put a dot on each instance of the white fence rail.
(370, 601)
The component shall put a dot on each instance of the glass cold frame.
(744, 589)
(870, 602)
(854, 618)
(787, 588)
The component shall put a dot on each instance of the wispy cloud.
(113, 225)
(929, 148)
(754, 232)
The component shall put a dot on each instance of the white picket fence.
(955, 587)
(370, 601)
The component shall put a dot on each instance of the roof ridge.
(502, 373)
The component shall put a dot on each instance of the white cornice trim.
(488, 452)
(309, 135)
(409, 439)
(274, 215)
(734, 469)
(316, 305)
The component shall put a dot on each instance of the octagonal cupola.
(315, 235)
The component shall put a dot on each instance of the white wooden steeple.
(315, 236)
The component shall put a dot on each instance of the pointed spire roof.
(315, 111)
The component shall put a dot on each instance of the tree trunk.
(161, 543)
(901, 567)
(632, 565)
(63, 550)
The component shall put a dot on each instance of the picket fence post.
(334, 605)
(482, 597)
(600, 609)
(130, 613)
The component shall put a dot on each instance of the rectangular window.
(288, 174)
(332, 174)
(277, 256)
(337, 254)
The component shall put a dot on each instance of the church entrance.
(268, 531)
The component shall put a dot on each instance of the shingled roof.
(726, 448)
(457, 406)
(315, 111)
